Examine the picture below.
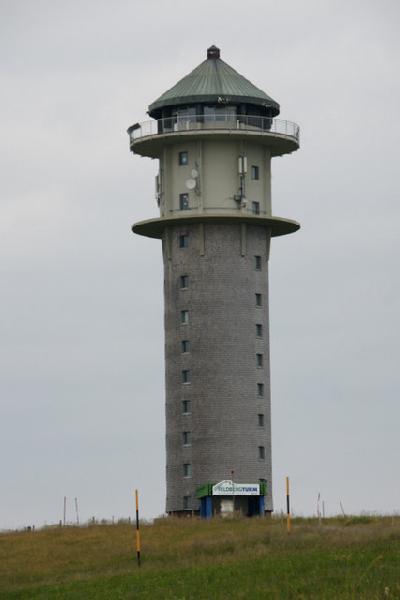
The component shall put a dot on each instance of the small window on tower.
(259, 359)
(186, 407)
(255, 172)
(184, 317)
(258, 300)
(260, 390)
(187, 438)
(261, 452)
(184, 282)
(187, 470)
(185, 346)
(187, 502)
(259, 330)
(183, 157)
(257, 263)
(184, 201)
(183, 240)
(186, 376)
(255, 208)
(260, 420)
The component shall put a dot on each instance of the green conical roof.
(215, 82)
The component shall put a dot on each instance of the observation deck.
(149, 137)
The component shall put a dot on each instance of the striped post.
(288, 516)
(137, 528)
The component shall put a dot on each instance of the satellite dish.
(194, 173)
(190, 184)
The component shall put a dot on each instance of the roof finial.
(213, 52)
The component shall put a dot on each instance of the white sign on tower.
(229, 488)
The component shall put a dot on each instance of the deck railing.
(214, 122)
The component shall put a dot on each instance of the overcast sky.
(81, 322)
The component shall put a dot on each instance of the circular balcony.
(149, 137)
(154, 228)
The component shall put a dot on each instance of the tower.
(214, 134)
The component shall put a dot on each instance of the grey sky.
(81, 325)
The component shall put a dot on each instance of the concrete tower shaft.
(214, 136)
(223, 345)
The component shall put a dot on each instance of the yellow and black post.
(137, 528)
(288, 516)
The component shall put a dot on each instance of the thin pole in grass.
(76, 511)
(233, 489)
(65, 511)
(319, 509)
(288, 516)
(137, 528)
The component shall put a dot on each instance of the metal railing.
(214, 122)
(235, 208)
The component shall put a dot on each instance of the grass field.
(356, 558)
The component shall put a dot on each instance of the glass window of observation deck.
(183, 115)
(219, 113)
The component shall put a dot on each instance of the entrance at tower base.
(228, 499)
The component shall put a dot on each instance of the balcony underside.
(154, 228)
(152, 145)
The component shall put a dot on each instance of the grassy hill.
(357, 558)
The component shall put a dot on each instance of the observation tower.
(214, 134)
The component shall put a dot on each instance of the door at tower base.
(229, 488)
(225, 506)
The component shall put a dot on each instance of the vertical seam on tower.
(268, 241)
(202, 240)
(168, 238)
(243, 240)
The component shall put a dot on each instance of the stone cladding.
(223, 392)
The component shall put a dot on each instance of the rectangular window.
(187, 470)
(184, 282)
(187, 501)
(183, 240)
(187, 438)
(255, 172)
(255, 208)
(184, 201)
(186, 407)
(186, 376)
(261, 452)
(257, 263)
(260, 390)
(184, 317)
(259, 359)
(258, 300)
(185, 346)
(183, 157)
(260, 420)
(259, 330)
